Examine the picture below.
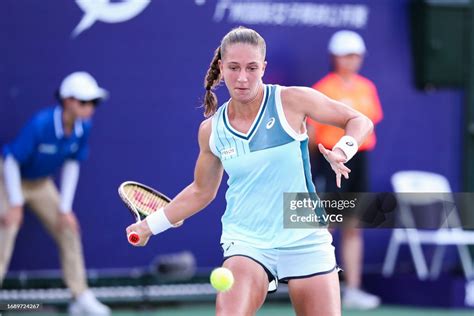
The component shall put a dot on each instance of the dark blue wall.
(154, 65)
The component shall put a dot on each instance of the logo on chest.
(270, 123)
(74, 147)
(50, 149)
(228, 152)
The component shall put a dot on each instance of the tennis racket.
(142, 200)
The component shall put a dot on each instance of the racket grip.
(133, 238)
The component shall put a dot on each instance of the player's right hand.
(143, 230)
(13, 217)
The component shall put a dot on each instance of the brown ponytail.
(213, 77)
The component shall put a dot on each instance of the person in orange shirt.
(344, 84)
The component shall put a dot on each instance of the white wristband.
(348, 145)
(158, 222)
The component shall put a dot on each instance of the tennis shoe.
(87, 304)
(354, 298)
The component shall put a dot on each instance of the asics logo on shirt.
(270, 123)
(47, 149)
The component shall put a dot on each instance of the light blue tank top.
(269, 160)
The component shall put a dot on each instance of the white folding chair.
(419, 188)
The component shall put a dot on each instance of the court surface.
(270, 309)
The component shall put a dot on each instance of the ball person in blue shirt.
(259, 138)
(54, 138)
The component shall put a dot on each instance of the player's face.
(242, 67)
(348, 64)
(82, 109)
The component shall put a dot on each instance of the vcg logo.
(108, 12)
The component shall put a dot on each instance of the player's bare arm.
(207, 178)
(301, 102)
(196, 196)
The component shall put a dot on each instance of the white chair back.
(433, 187)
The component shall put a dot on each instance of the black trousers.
(325, 178)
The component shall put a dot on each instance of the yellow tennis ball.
(222, 279)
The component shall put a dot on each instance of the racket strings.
(145, 201)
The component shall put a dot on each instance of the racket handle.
(133, 238)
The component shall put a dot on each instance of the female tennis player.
(259, 138)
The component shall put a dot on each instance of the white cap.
(81, 86)
(345, 43)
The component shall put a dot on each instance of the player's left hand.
(336, 159)
(67, 221)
